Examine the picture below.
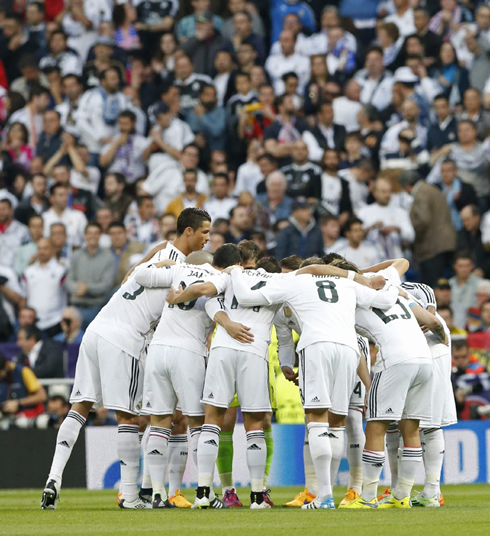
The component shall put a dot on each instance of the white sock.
(311, 482)
(256, 458)
(433, 456)
(145, 479)
(337, 442)
(392, 444)
(355, 446)
(207, 454)
(128, 452)
(411, 458)
(194, 433)
(157, 455)
(372, 465)
(177, 460)
(321, 454)
(65, 441)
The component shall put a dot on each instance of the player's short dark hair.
(227, 255)
(250, 250)
(345, 265)
(310, 261)
(293, 262)
(31, 331)
(350, 222)
(270, 265)
(193, 218)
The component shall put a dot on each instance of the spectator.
(90, 276)
(376, 83)
(446, 21)
(11, 297)
(249, 174)
(335, 193)
(189, 83)
(71, 325)
(223, 64)
(190, 197)
(480, 67)
(330, 228)
(50, 140)
(243, 96)
(358, 250)
(35, 204)
(27, 253)
(444, 129)
(304, 177)
(275, 201)
(236, 6)
(187, 25)
(14, 45)
(470, 239)
(431, 41)
(44, 284)
(61, 56)
(208, 119)
(282, 8)
(302, 236)
(143, 226)
(216, 240)
(31, 74)
(391, 42)
(115, 197)
(72, 90)
(387, 226)
(166, 181)
(122, 250)
(104, 218)
(451, 77)
(463, 287)
(287, 61)
(126, 36)
(314, 90)
(31, 114)
(403, 17)
(346, 108)
(473, 110)
(243, 33)
(17, 147)
(220, 203)
(73, 220)
(326, 134)
(240, 225)
(98, 112)
(13, 234)
(103, 59)
(43, 356)
(318, 42)
(21, 395)
(125, 153)
(480, 28)
(59, 239)
(446, 313)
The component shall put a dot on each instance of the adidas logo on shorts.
(315, 399)
(211, 442)
(122, 463)
(325, 434)
(78, 393)
(254, 447)
(64, 444)
(210, 395)
(154, 452)
(388, 411)
(148, 405)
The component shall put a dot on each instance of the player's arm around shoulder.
(247, 297)
(155, 275)
(196, 290)
(216, 310)
(334, 271)
(425, 318)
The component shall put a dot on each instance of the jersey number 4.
(389, 318)
(256, 309)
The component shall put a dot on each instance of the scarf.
(289, 132)
(450, 193)
(110, 107)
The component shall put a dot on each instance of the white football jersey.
(185, 325)
(396, 333)
(390, 274)
(285, 322)
(126, 320)
(324, 305)
(258, 319)
(425, 296)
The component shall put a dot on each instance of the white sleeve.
(315, 152)
(383, 299)
(85, 118)
(271, 293)
(215, 305)
(421, 292)
(285, 345)
(151, 276)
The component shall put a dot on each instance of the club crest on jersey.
(287, 312)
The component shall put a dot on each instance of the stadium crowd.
(308, 127)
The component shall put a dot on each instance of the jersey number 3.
(134, 295)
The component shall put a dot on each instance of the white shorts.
(443, 403)
(173, 377)
(235, 371)
(402, 391)
(107, 376)
(358, 395)
(327, 376)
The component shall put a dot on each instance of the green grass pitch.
(93, 513)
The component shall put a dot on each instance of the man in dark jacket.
(43, 355)
(470, 239)
(303, 236)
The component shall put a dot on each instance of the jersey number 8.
(327, 285)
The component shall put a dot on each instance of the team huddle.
(146, 357)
